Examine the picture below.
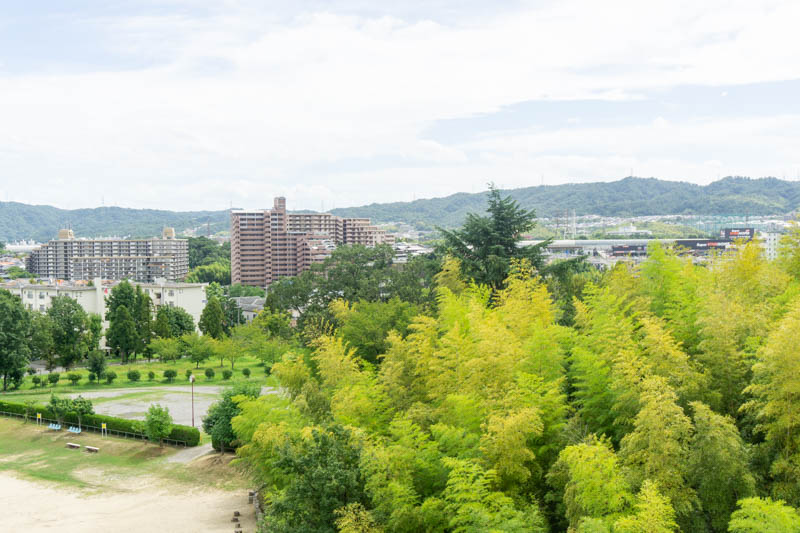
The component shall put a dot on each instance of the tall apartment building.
(146, 260)
(269, 244)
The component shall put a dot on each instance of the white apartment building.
(92, 298)
(770, 241)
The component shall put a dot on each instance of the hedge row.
(189, 435)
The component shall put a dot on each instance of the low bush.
(92, 377)
(111, 376)
(53, 378)
(226, 374)
(246, 372)
(74, 378)
(36, 380)
(151, 375)
(189, 435)
(209, 373)
(169, 375)
(134, 375)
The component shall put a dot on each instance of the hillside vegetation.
(627, 197)
(42, 222)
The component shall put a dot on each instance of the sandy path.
(149, 506)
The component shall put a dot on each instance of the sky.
(208, 104)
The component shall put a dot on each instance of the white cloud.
(238, 106)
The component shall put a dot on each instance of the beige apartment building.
(146, 260)
(269, 244)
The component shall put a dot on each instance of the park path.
(190, 454)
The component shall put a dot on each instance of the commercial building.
(68, 258)
(92, 296)
(270, 244)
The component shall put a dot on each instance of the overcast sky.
(181, 104)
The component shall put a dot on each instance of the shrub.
(267, 369)
(209, 373)
(92, 377)
(226, 374)
(74, 377)
(31, 371)
(151, 375)
(188, 373)
(134, 375)
(169, 375)
(36, 380)
(246, 372)
(53, 378)
(110, 376)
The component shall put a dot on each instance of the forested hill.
(41, 222)
(627, 197)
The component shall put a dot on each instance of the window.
(41, 308)
(30, 295)
(172, 293)
(41, 296)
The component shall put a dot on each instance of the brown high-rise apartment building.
(269, 244)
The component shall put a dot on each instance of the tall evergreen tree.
(14, 331)
(161, 327)
(212, 319)
(143, 317)
(122, 335)
(485, 245)
(72, 338)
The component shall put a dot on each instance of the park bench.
(73, 429)
(92, 449)
(73, 446)
(55, 427)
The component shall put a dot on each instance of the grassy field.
(40, 454)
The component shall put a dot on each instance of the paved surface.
(131, 403)
(190, 454)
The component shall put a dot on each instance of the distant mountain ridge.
(626, 197)
(41, 222)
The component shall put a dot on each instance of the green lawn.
(257, 375)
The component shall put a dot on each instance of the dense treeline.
(667, 401)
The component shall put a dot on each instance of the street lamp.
(191, 380)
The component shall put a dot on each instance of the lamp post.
(191, 380)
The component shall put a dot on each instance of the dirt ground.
(144, 504)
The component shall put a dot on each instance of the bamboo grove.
(670, 401)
